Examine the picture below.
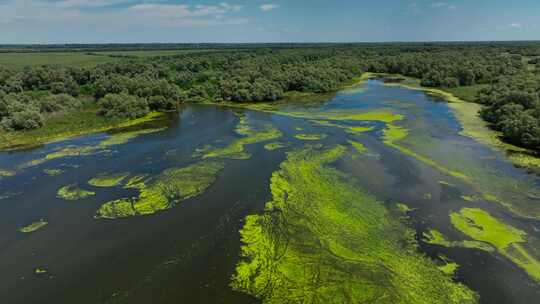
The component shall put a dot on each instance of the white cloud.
(444, 5)
(41, 13)
(268, 7)
(439, 4)
(515, 25)
(87, 3)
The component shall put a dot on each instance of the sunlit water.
(188, 253)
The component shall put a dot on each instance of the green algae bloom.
(69, 151)
(108, 180)
(393, 133)
(403, 208)
(236, 149)
(358, 147)
(53, 172)
(163, 191)
(34, 226)
(124, 137)
(6, 173)
(323, 240)
(449, 268)
(313, 137)
(40, 270)
(470, 198)
(73, 192)
(434, 237)
(509, 241)
(74, 151)
(275, 146)
(447, 184)
(351, 130)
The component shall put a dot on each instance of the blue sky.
(96, 21)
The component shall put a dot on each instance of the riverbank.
(68, 125)
(467, 112)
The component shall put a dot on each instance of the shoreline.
(473, 126)
(23, 140)
(466, 112)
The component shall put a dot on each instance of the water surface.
(189, 252)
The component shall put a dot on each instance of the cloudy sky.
(95, 21)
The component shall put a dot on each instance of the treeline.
(512, 95)
(132, 87)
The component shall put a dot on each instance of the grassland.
(68, 125)
(153, 53)
(21, 60)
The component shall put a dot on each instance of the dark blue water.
(188, 253)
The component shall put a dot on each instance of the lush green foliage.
(502, 76)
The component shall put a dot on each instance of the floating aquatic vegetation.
(434, 237)
(236, 150)
(163, 191)
(73, 151)
(349, 129)
(446, 184)
(382, 115)
(40, 270)
(323, 240)
(359, 147)
(310, 136)
(275, 146)
(108, 180)
(124, 137)
(509, 241)
(34, 226)
(73, 192)
(392, 134)
(403, 208)
(449, 267)
(6, 173)
(359, 129)
(470, 198)
(53, 172)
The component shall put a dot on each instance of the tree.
(123, 105)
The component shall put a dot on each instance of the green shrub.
(123, 105)
(23, 120)
(60, 102)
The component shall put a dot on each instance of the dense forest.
(508, 73)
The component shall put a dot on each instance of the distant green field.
(82, 59)
(152, 53)
(20, 60)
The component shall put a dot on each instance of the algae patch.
(323, 240)
(163, 191)
(509, 241)
(6, 173)
(236, 149)
(358, 147)
(275, 146)
(434, 237)
(74, 151)
(313, 137)
(108, 180)
(53, 172)
(73, 192)
(40, 270)
(34, 226)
